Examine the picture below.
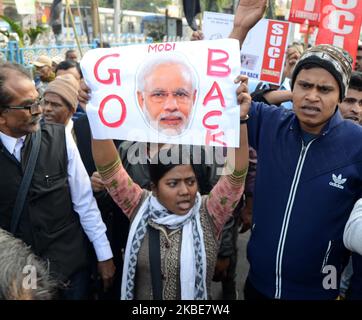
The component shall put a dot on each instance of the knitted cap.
(65, 86)
(336, 61)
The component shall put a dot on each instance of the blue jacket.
(303, 197)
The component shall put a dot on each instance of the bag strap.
(155, 262)
(259, 86)
(25, 182)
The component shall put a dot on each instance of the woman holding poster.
(173, 241)
(174, 236)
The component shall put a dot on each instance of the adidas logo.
(337, 181)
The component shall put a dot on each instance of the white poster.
(25, 6)
(178, 93)
(217, 25)
(263, 51)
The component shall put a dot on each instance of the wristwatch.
(244, 120)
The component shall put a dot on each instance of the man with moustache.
(166, 93)
(59, 210)
(60, 101)
(351, 106)
(309, 176)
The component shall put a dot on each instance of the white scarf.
(193, 257)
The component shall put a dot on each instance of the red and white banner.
(275, 47)
(263, 60)
(305, 10)
(340, 24)
(305, 29)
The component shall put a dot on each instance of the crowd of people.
(80, 221)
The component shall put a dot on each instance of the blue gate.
(26, 56)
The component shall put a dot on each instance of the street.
(242, 269)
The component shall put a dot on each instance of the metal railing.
(25, 56)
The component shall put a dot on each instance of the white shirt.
(352, 236)
(82, 197)
(11, 143)
(69, 126)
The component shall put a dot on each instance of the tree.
(105, 3)
(15, 27)
(216, 5)
(270, 11)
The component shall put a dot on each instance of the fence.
(25, 56)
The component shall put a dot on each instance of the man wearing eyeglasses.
(166, 92)
(59, 209)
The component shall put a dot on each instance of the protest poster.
(25, 6)
(217, 25)
(341, 24)
(263, 51)
(178, 93)
(305, 12)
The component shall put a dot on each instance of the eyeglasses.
(160, 96)
(33, 107)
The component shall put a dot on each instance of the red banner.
(305, 29)
(302, 11)
(274, 51)
(340, 24)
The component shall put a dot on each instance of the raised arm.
(248, 13)
(244, 99)
(123, 190)
(118, 183)
(227, 192)
(271, 96)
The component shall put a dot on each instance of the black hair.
(7, 69)
(68, 64)
(65, 65)
(68, 52)
(169, 158)
(356, 81)
(104, 44)
(359, 47)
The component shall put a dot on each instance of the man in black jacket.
(59, 208)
